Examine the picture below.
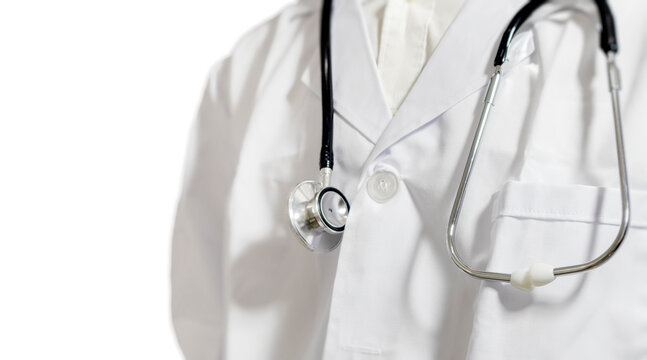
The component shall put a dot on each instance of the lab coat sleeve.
(199, 236)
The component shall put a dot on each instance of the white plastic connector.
(521, 279)
(529, 278)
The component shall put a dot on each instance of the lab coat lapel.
(357, 91)
(459, 66)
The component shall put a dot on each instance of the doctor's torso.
(544, 188)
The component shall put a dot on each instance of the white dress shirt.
(403, 35)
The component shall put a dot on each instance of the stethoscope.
(318, 212)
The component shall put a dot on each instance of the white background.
(96, 101)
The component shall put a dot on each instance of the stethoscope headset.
(318, 211)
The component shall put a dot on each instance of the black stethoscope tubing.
(608, 40)
(326, 155)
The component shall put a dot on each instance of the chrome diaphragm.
(318, 215)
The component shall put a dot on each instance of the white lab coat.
(545, 188)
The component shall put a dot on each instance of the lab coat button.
(382, 186)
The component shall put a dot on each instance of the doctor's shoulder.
(275, 50)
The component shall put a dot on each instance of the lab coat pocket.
(601, 314)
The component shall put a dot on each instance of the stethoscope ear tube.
(541, 274)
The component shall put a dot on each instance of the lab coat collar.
(357, 90)
(459, 66)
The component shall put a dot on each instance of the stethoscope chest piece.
(318, 215)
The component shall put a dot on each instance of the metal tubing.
(614, 88)
(325, 174)
(488, 102)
